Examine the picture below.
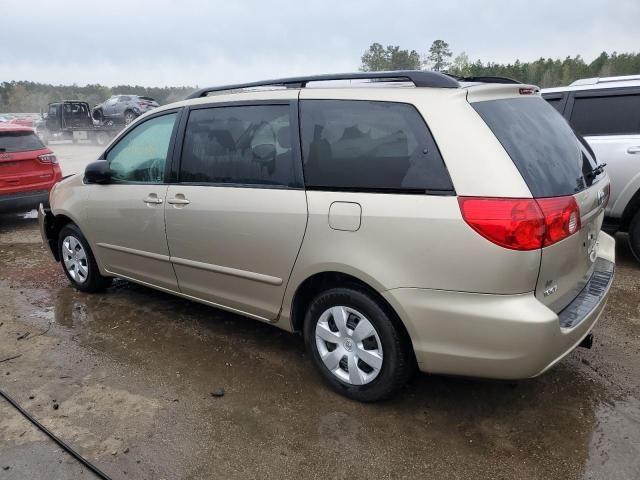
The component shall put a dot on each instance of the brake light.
(528, 91)
(522, 223)
(48, 158)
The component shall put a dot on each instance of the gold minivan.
(398, 220)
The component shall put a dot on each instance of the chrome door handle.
(633, 150)
(178, 201)
(152, 199)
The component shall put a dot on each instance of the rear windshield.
(19, 142)
(544, 148)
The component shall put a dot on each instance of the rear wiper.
(596, 171)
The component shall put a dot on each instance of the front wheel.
(78, 261)
(355, 344)
(634, 235)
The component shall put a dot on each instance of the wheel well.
(52, 229)
(319, 282)
(629, 211)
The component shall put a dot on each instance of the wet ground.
(131, 372)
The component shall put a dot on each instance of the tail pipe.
(587, 342)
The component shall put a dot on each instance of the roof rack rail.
(485, 79)
(419, 78)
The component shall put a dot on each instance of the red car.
(28, 169)
(24, 121)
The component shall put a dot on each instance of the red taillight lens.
(48, 158)
(521, 223)
(561, 218)
(515, 223)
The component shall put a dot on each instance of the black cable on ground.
(59, 441)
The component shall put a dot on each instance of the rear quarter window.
(11, 142)
(369, 146)
(541, 144)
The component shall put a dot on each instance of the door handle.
(152, 199)
(178, 201)
(634, 150)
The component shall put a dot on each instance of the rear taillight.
(48, 158)
(522, 223)
(561, 218)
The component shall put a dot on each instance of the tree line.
(23, 96)
(31, 97)
(544, 72)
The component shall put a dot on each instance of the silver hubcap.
(75, 259)
(348, 345)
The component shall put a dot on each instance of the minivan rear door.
(554, 163)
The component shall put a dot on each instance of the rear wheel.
(78, 261)
(634, 235)
(356, 346)
(98, 116)
(129, 117)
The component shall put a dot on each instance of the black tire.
(634, 235)
(397, 360)
(93, 281)
(98, 116)
(129, 116)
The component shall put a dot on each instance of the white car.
(606, 112)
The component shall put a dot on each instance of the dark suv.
(123, 108)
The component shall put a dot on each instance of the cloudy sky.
(191, 42)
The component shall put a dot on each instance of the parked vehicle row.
(357, 217)
(606, 111)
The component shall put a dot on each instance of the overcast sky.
(191, 42)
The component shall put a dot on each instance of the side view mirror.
(264, 151)
(97, 172)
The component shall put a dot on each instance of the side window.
(555, 102)
(140, 156)
(606, 115)
(248, 145)
(52, 110)
(365, 145)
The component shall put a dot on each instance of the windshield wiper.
(593, 173)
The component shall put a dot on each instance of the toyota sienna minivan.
(398, 220)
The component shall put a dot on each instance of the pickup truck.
(72, 120)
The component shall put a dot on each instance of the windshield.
(544, 148)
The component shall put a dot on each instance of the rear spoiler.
(485, 79)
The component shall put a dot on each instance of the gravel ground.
(126, 378)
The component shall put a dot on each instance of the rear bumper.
(23, 201)
(498, 336)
